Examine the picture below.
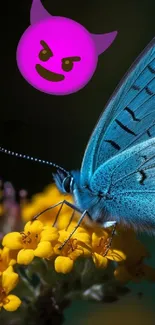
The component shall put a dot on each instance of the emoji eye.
(67, 65)
(44, 55)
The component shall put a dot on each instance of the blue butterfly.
(116, 183)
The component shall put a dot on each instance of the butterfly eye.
(67, 184)
(44, 55)
(67, 65)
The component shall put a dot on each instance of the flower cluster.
(43, 238)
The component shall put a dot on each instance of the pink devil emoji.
(57, 55)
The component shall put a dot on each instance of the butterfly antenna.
(27, 157)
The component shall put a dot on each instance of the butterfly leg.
(78, 224)
(61, 203)
(57, 215)
(47, 209)
(110, 239)
(72, 206)
(71, 218)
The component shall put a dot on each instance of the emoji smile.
(49, 75)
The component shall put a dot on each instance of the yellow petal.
(28, 211)
(13, 240)
(71, 227)
(63, 264)
(47, 218)
(57, 251)
(63, 234)
(121, 274)
(80, 235)
(44, 249)
(39, 198)
(13, 256)
(4, 259)
(85, 249)
(75, 254)
(49, 234)
(25, 256)
(97, 235)
(12, 303)
(4, 253)
(9, 279)
(83, 237)
(99, 260)
(64, 220)
(35, 227)
(116, 255)
(10, 269)
(9, 256)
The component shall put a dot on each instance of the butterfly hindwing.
(129, 117)
(129, 179)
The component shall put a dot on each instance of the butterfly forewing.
(129, 116)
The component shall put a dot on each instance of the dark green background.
(58, 128)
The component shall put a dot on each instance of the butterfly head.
(64, 181)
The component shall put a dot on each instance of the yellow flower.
(35, 240)
(132, 247)
(7, 258)
(77, 245)
(8, 281)
(133, 267)
(100, 254)
(135, 272)
(42, 201)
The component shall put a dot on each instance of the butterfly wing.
(129, 180)
(129, 116)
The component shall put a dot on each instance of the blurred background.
(58, 128)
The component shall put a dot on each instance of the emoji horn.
(102, 41)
